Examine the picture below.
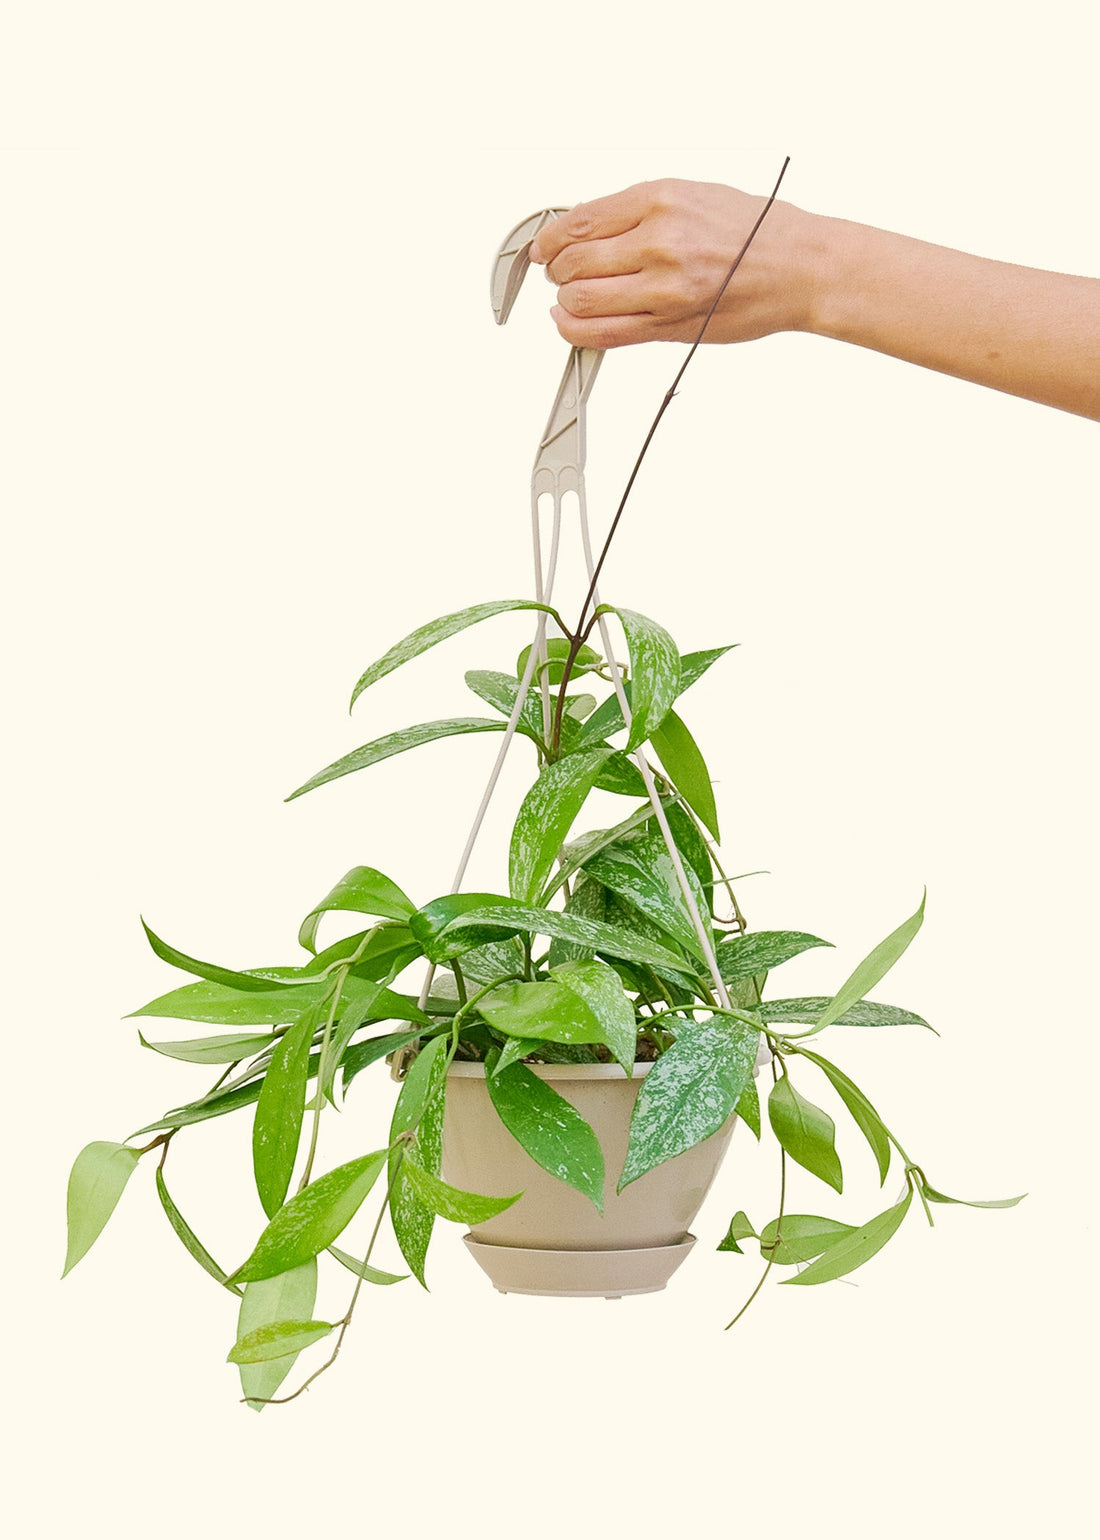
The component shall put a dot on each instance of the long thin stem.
(778, 1225)
(577, 640)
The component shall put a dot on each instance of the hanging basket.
(553, 1240)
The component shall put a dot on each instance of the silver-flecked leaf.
(742, 957)
(549, 1128)
(396, 743)
(654, 673)
(312, 1219)
(689, 1093)
(435, 631)
(545, 818)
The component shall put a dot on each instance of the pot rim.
(467, 1070)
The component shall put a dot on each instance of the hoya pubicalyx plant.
(619, 944)
(592, 954)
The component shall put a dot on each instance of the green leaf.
(355, 1015)
(865, 1013)
(549, 1128)
(219, 1004)
(851, 1251)
(364, 1270)
(189, 1238)
(575, 1007)
(579, 706)
(448, 1202)
(939, 1197)
(278, 1339)
(426, 636)
(396, 743)
(691, 845)
(289, 1297)
(601, 990)
(608, 718)
(250, 982)
(420, 1107)
(489, 923)
(867, 1119)
(544, 819)
(312, 1219)
(581, 850)
(654, 673)
(429, 923)
(557, 652)
(740, 1230)
(689, 1093)
(212, 1050)
(363, 890)
(874, 966)
(748, 1108)
(742, 957)
(805, 1131)
(803, 1236)
(279, 1111)
(686, 768)
(96, 1182)
(639, 869)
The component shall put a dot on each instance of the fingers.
(614, 331)
(597, 220)
(591, 298)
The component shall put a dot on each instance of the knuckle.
(578, 299)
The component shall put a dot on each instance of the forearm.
(1017, 329)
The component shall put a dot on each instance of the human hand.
(645, 264)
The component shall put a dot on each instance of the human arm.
(646, 263)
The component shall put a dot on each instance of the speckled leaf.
(689, 1093)
(396, 743)
(279, 1112)
(685, 766)
(581, 850)
(469, 1208)
(608, 718)
(495, 960)
(215, 1105)
(434, 631)
(545, 818)
(740, 1230)
(691, 845)
(420, 1106)
(805, 1131)
(742, 957)
(312, 1219)
(550, 1129)
(639, 869)
(612, 939)
(939, 1197)
(874, 966)
(189, 1238)
(96, 1182)
(654, 673)
(865, 1116)
(851, 1251)
(363, 890)
(803, 1236)
(621, 776)
(500, 690)
(865, 1013)
(601, 990)
(276, 1340)
(543, 1010)
(289, 1297)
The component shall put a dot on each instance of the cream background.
(257, 423)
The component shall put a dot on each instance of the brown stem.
(577, 638)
